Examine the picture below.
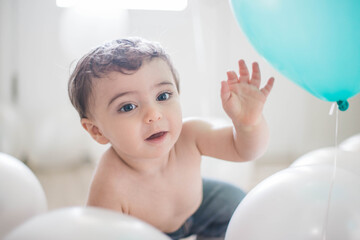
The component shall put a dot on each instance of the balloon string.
(326, 221)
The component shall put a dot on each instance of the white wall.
(7, 48)
(38, 42)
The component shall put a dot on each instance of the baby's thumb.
(225, 92)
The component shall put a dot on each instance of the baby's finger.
(267, 89)
(244, 72)
(225, 92)
(232, 77)
(256, 76)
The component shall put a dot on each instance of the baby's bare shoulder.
(196, 124)
(189, 127)
(108, 184)
(192, 128)
(186, 146)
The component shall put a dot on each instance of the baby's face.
(140, 113)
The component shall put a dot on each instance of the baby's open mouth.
(156, 135)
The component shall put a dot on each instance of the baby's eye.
(164, 96)
(127, 108)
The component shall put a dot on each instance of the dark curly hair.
(121, 55)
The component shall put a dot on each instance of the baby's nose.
(153, 114)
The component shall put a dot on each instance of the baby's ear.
(94, 131)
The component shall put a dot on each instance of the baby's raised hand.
(242, 98)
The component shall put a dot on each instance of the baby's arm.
(243, 101)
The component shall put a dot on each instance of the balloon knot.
(343, 105)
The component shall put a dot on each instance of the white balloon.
(85, 223)
(292, 204)
(351, 144)
(349, 161)
(21, 195)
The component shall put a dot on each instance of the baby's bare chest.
(166, 202)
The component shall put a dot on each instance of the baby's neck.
(148, 166)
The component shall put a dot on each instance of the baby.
(127, 94)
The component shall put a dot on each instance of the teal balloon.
(314, 43)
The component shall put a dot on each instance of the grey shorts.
(211, 219)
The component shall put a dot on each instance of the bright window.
(166, 5)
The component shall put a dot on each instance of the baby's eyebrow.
(119, 95)
(164, 83)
